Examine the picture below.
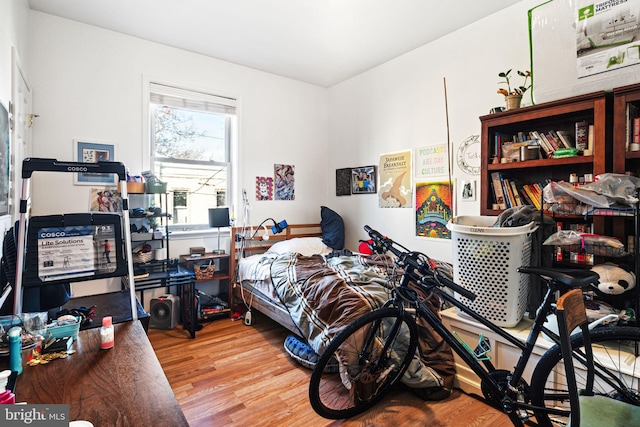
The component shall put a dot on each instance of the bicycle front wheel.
(372, 353)
(617, 375)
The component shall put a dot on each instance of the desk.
(123, 386)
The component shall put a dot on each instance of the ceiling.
(322, 42)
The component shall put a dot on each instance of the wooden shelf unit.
(556, 115)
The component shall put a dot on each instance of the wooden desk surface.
(122, 386)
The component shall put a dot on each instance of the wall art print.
(4, 160)
(284, 180)
(363, 180)
(395, 180)
(264, 188)
(432, 161)
(343, 182)
(93, 152)
(434, 202)
(107, 199)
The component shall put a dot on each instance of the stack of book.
(509, 194)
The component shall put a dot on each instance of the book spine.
(545, 149)
(550, 147)
(636, 130)
(534, 199)
(497, 190)
(525, 197)
(582, 135)
(516, 195)
(566, 138)
(507, 195)
(552, 141)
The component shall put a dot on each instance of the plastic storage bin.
(485, 261)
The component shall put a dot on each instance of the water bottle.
(15, 349)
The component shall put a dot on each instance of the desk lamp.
(219, 217)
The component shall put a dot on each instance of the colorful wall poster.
(434, 202)
(395, 180)
(284, 180)
(264, 188)
(432, 161)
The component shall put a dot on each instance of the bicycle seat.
(572, 277)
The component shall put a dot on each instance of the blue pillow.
(332, 228)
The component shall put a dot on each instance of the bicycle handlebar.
(410, 261)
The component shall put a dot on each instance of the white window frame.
(231, 140)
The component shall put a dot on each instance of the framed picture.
(93, 152)
(467, 191)
(343, 182)
(4, 160)
(363, 180)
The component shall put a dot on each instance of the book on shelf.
(500, 139)
(552, 136)
(582, 135)
(506, 190)
(535, 198)
(566, 138)
(548, 143)
(496, 183)
(515, 193)
(524, 196)
(633, 114)
(545, 148)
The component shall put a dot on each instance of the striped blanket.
(324, 294)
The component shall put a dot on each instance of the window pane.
(191, 154)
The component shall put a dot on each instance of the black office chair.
(587, 409)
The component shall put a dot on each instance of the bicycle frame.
(508, 396)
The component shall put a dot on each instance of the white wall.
(400, 105)
(14, 25)
(88, 84)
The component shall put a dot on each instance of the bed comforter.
(324, 294)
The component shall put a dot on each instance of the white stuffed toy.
(615, 280)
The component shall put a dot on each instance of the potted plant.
(513, 96)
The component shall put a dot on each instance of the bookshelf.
(557, 116)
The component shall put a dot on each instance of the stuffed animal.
(615, 281)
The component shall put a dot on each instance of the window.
(191, 145)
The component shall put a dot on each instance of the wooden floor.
(237, 375)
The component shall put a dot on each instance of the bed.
(307, 287)
(259, 294)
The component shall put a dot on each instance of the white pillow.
(306, 246)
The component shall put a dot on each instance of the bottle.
(15, 349)
(106, 333)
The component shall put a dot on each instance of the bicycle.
(375, 349)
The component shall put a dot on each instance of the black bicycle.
(375, 350)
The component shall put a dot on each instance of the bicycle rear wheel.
(614, 348)
(372, 352)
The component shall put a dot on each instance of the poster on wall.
(343, 182)
(107, 199)
(607, 35)
(395, 180)
(433, 209)
(432, 161)
(284, 179)
(4, 160)
(264, 188)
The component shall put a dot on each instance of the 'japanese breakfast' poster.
(395, 180)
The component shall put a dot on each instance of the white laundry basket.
(485, 261)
